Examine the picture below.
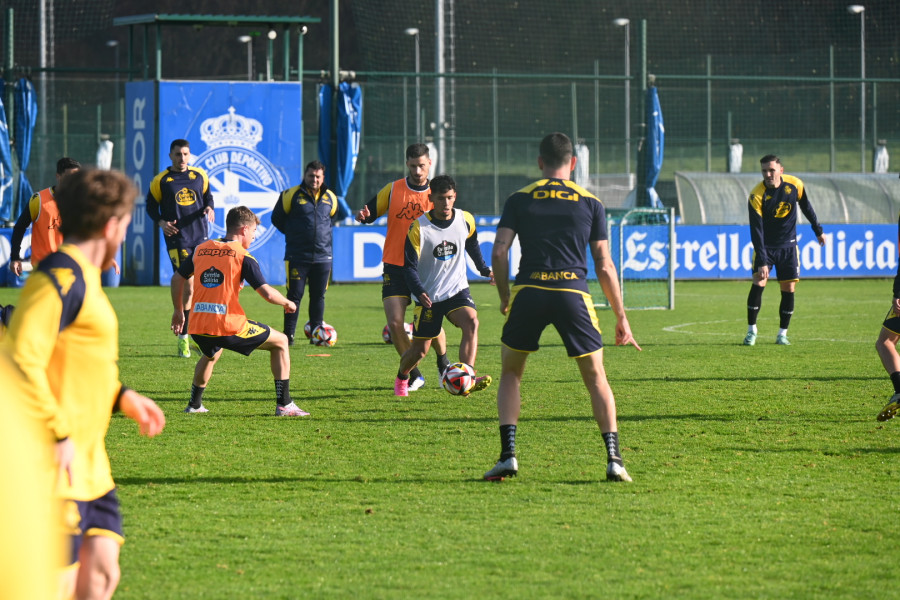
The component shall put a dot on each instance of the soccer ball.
(386, 332)
(458, 379)
(307, 330)
(324, 335)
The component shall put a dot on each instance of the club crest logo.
(239, 175)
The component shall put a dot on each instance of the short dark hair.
(769, 158)
(239, 216)
(416, 150)
(66, 163)
(179, 143)
(89, 198)
(442, 184)
(315, 165)
(556, 150)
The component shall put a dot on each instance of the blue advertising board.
(245, 135)
(140, 148)
(701, 252)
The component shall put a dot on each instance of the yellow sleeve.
(470, 223)
(34, 206)
(155, 189)
(384, 199)
(31, 336)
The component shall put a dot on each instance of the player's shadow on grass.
(316, 480)
(787, 376)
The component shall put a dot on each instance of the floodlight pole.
(626, 23)
(859, 9)
(414, 32)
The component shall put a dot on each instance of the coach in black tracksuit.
(303, 214)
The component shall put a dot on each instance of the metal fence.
(494, 122)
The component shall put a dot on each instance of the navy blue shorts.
(572, 313)
(244, 342)
(393, 283)
(179, 254)
(785, 260)
(428, 321)
(892, 321)
(93, 517)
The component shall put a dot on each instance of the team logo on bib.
(445, 250)
(212, 277)
(239, 175)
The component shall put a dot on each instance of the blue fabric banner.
(26, 118)
(656, 138)
(349, 131)
(6, 166)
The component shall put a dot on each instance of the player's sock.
(754, 301)
(507, 441)
(196, 396)
(782, 331)
(786, 310)
(187, 317)
(612, 447)
(283, 392)
(415, 373)
(895, 379)
(402, 377)
(442, 362)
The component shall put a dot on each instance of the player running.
(181, 203)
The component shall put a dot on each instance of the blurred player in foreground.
(64, 340)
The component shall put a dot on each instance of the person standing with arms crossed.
(180, 202)
(42, 214)
(556, 221)
(219, 321)
(64, 342)
(773, 207)
(435, 271)
(303, 214)
(404, 201)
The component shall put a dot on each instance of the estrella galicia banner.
(140, 151)
(247, 137)
(701, 252)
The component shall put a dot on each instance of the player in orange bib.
(404, 201)
(217, 318)
(42, 214)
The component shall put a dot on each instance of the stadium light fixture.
(414, 32)
(246, 39)
(859, 9)
(626, 23)
(272, 34)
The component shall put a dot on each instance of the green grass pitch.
(758, 472)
